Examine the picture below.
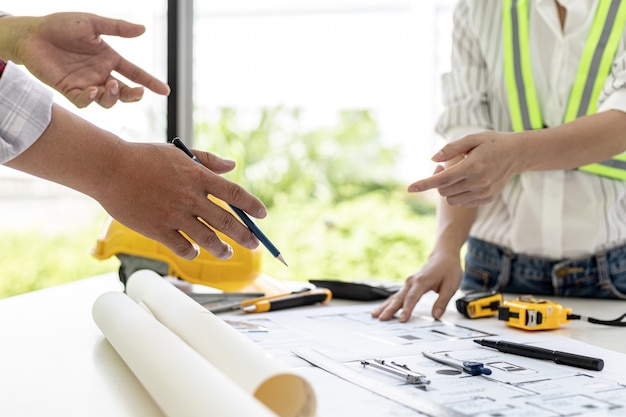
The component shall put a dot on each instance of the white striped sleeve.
(25, 111)
(465, 87)
(613, 95)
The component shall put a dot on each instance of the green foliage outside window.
(277, 157)
(335, 207)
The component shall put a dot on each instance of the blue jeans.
(491, 267)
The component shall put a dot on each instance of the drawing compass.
(471, 367)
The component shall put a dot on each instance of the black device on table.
(368, 290)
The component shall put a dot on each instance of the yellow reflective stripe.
(523, 103)
(613, 168)
(616, 173)
(532, 102)
(576, 93)
(583, 69)
(608, 55)
(508, 46)
(606, 35)
(597, 58)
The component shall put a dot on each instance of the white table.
(54, 360)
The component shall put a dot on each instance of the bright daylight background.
(343, 96)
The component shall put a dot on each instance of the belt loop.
(505, 269)
(559, 271)
(604, 278)
(604, 275)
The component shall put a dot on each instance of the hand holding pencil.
(240, 213)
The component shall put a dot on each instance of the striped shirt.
(25, 111)
(553, 214)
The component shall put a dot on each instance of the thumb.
(116, 27)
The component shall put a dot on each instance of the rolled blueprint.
(239, 358)
(179, 379)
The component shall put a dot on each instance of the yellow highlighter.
(279, 302)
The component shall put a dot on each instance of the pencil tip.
(280, 258)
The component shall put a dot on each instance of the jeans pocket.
(619, 282)
(617, 286)
(479, 274)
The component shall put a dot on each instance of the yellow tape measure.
(479, 304)
(525, 312)
(529, 313)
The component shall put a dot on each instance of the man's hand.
(152, 188)
(159, 191)
(66, 51)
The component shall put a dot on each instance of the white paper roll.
(178, 378)
(245, 363)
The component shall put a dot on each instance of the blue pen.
(239, 212)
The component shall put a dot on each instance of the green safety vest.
(593, 70)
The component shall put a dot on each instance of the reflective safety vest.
(593, 69)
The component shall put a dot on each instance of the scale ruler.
(390, 392)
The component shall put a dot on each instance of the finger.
(388, 310)
(438, 169)
(234, 194)
(214, 163)
(179, 245)
(461, 200)
(441, 178)
(395, 302)
(414, 294)
(82, 98)
(139, 76)
(130, 94)
(466, 197)
(109, 94)
(461, 188)
(469, 202)
(225, 222)
(210, 241)
(118, 91)
(439, 307)
(116, 27)
(454, 149)
(378, 310)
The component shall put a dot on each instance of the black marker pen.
(563, 358)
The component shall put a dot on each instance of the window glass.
(324, 71)
(323, 57)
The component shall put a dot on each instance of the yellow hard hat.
(136, 251)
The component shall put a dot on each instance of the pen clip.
(402, 371)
